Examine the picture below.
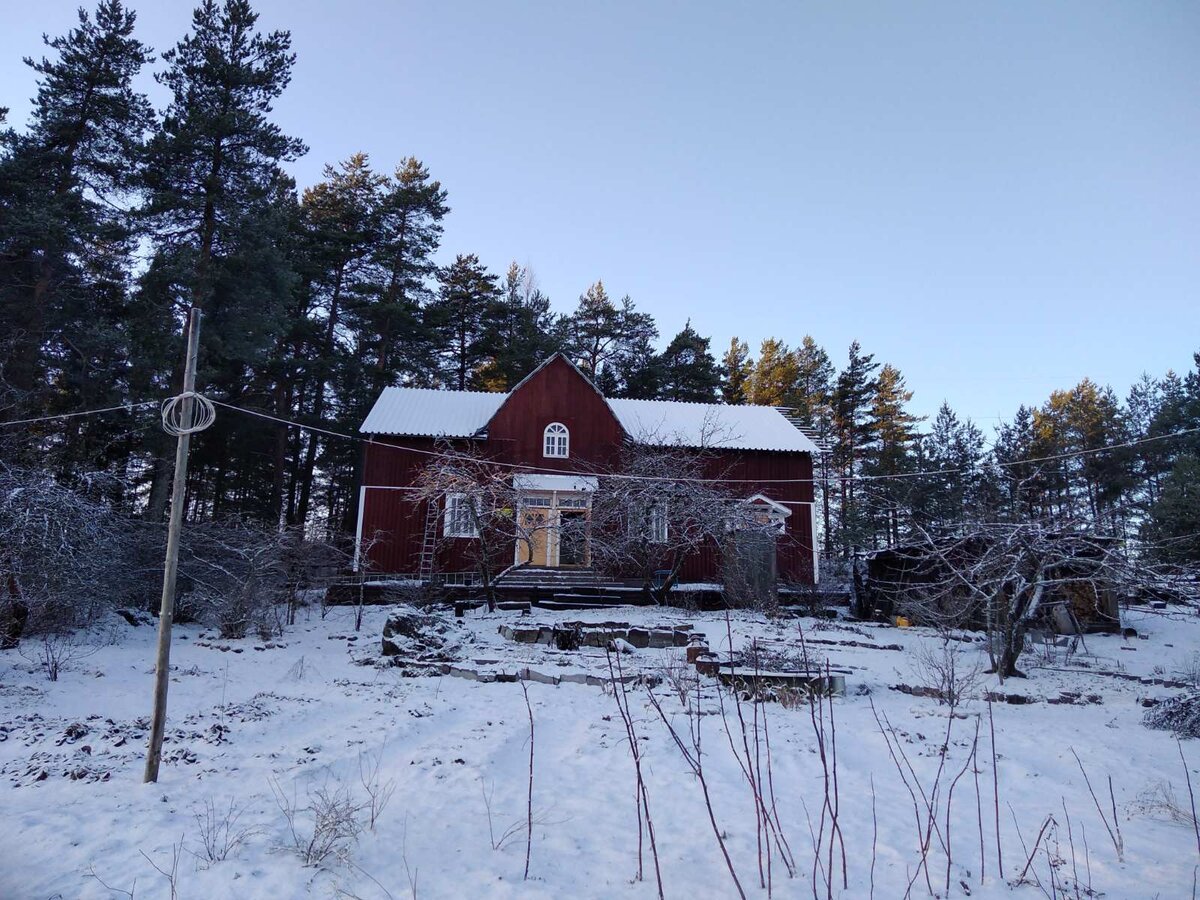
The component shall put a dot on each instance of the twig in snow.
(694, 757)
(1114, 830)
(529, 800)
(641, 796)
(1191, 794)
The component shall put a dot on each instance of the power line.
(832, 480)
(84, 412)
(536, 470)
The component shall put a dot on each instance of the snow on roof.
(431, 413)
(668, 423)
(664, 423)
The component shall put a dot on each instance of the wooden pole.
(166, 614)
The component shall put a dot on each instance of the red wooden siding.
(559, 393)
(556, 393)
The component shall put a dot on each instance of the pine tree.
(609, 342)
(1024, 487)
(214, 164)
(954, 448)
(637, 370)
(1172, 530)
(689, 372)
(854, 391)
(458, 317)
(65, 241)
(812, 394)
(396, 344)
(519, 331)
(339, 222)
(222, 213)
(1084, 419)
(893, 434)
(737, 369)
(775, 375)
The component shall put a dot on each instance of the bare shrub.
(509, 834)
(678, 676)
(171, 874)
(219, 832)
(243, 578)
(950, 670)
(64, 553)
(378, 792)
(326, 826)
(55, 650)
(1113, 827)
(1190, 671)
(1159, 801)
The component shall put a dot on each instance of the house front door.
(535, 549)
(572, 537)
(554, 530)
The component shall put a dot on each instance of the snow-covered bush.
(326, 825)
(64, 553)
(1179, 715)
(241, 577)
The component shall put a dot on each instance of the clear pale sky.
(997, 198)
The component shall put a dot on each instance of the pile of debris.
(1178, 715)
(424, 637)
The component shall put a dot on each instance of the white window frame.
(778, 513)
(556, 441)
(458, 522)
(659, 523)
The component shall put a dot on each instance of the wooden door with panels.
(536, 515)
(554, 531)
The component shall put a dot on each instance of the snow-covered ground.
(249, 721)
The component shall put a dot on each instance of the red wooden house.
(560, 431)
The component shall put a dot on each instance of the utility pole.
(166, 614)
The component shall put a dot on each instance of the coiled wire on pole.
(202, 414)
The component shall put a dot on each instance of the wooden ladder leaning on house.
(429, 542)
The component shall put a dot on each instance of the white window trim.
(556, 444)
(659, 524)
(778, 512)
(451, 527)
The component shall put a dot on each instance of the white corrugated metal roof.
(668, 423)
(432, 413)
(665, 423)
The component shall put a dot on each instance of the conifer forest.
(116, 218)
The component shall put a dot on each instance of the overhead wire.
(171, 415)
(832, 480)
(82, 412)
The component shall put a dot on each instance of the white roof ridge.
(435, 390)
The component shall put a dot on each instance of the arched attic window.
(556, 441)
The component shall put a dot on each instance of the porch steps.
(550, 579)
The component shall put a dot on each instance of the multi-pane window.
(556, 440)
(658, 523)
(459, 522)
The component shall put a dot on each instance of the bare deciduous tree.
(658, 508)
(489, 496)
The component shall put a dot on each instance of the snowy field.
(316, 712)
